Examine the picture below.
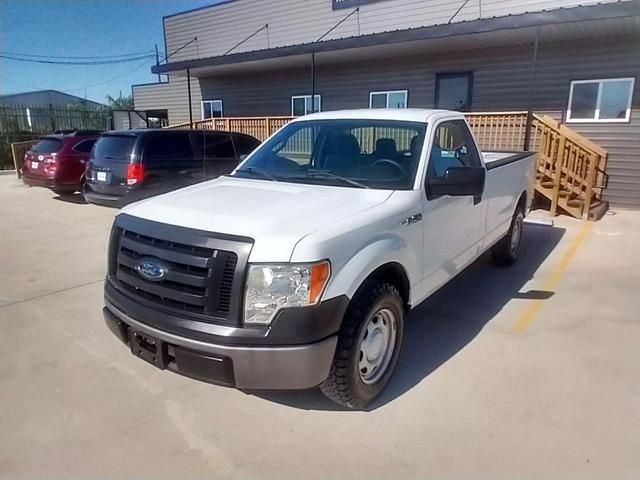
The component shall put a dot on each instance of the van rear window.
(113, 149)
(47, 145)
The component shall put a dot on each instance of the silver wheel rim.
(377, 344)
(516, 235)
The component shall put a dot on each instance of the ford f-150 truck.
(299, 268)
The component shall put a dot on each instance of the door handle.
(412, 219)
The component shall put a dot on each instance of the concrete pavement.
(478, 394)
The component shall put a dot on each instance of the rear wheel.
(505, 252)
(368, 346)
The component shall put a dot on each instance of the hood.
(276, 215)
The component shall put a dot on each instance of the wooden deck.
(571, 169)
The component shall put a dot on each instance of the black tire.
(345, 384)
(506, 251)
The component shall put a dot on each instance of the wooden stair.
(571, 168)
(570, 171)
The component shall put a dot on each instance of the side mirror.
(458, 182)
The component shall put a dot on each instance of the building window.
(453, 91)
(606, 100)
(211, 109)
(389, 99)
(301, 105)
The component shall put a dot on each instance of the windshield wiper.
(355, 183)
(258, 171)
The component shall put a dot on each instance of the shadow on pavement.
(451, 318)
(75, 198)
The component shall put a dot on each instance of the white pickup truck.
(300, 267)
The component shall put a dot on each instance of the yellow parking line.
(529, 315)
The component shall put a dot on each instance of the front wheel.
(505, 252)
(368, 346)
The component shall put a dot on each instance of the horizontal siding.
(291, 22)
(622, 141)
(501, 83)
(172, 96)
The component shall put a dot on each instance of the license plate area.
(148, 348)
(101, 176)
(34, 165)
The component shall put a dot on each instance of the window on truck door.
(453, 146)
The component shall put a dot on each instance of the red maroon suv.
(59, 161)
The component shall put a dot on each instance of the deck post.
(557, 175)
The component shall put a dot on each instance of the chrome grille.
(200, 278)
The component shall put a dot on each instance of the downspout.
(313, 81)
(532, 88)
(189, 93)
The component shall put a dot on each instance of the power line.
(138, 67)
(114, 78)
(67, 57)
(61, 62)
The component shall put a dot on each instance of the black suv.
(129, 165)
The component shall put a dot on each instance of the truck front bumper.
(246, 367)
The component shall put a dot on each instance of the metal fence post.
(52, 118)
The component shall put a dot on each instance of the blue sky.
(82, 28)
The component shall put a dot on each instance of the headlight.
(272, 287)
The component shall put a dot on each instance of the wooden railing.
(499, 130)
(258, 127)
(571, 170)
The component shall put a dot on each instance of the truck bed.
(497, 158)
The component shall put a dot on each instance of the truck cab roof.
(400, 114)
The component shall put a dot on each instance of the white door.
(453, 226)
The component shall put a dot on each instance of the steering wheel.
(390, 162)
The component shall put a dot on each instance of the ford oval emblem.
(152, 269)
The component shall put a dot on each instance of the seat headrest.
(414, 146)
(386, 148)
(345, 144)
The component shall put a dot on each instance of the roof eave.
(525, 20)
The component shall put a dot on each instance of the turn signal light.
(319, 275)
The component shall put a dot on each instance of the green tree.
(120, 103)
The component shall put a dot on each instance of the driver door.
(453, 225)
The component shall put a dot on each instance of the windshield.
(359, 153)
(113, 149)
